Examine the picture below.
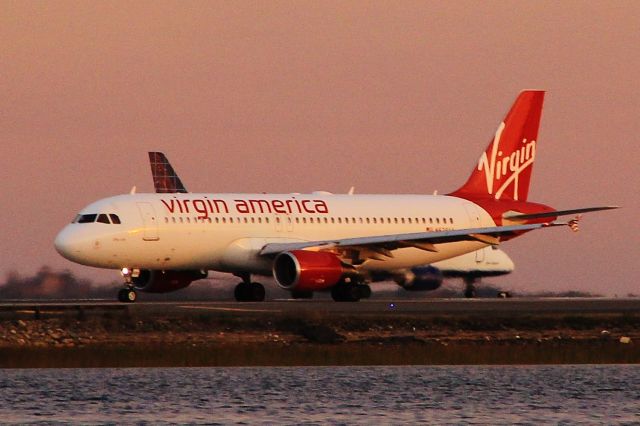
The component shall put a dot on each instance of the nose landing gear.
(128, 293)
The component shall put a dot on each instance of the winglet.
(165, 179)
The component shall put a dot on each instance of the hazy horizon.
(301, 96)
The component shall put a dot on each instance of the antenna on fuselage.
(133, 190)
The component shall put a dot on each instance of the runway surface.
(429, 307)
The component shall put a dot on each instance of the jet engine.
(301, 270)
(154, 281)
(422, 278)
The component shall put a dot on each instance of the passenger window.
(87, 218)
(339, 220)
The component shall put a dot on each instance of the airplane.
(486, 262)
(471, 267)
(317, 241)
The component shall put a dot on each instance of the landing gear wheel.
(346, 293)
(127, 295)
(470, 289)
(257, 292)
(365, 291)
(249, 292)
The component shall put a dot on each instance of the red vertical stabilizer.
(504, 169)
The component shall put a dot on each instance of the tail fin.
(165, 179)
(504, 169)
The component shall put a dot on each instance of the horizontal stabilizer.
(556, 213)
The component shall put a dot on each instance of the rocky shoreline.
(123, 339)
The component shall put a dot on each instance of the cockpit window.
(102, 218)
(87, 218)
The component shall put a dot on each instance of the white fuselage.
(225, 232)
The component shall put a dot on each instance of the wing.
(383, 244)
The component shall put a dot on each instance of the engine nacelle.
(153, 281)
(422, 278)
(302, 270)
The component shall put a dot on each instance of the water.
(321, 395)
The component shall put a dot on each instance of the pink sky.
(391, 97)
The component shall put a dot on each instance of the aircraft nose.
(506, 261)
(68, 244)
(62, 242)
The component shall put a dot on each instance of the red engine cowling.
(302, 270)
(152, 281)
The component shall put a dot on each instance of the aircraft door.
(474, 215)
(150, 221)
(277, 223)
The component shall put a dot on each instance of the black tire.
(241, 292)
(470, 293)
(257, 292)
(127, 295)
(365, 291)
(346, 293)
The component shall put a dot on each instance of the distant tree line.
(49, 284)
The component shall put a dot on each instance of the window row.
(318, 220)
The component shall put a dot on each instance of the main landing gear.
(247, 291)
(350, 292)
(128, 293)
(470, 288)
